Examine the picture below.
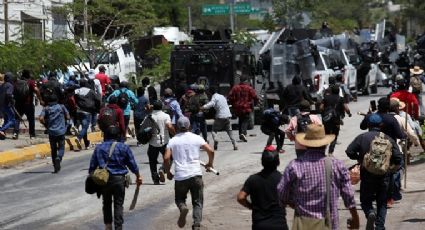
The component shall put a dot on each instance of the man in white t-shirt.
(184, 149)
(158, 142)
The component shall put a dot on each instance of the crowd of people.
(176, 127)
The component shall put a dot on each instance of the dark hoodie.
(6, 91)
(296, 92)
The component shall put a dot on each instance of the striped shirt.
(303, 185)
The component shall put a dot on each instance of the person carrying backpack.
(112, 115)
(159, 140)
(140, 110)
(299, 123)
(172, 106)
(416, 81)
(272, 120)
(87, 102)
(118, 163)
(197, 116)
(24, 91)
(378, 155)
(54, 117)
(333, 108)
(126, 99)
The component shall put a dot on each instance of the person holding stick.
(184, 149)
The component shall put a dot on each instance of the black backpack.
(123, 99)
(147, 130)
(271, 121)
(21, 90)
(302, 122)
(330, 115)
(108, 119)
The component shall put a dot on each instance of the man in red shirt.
(103, 79)
(408, 98)
(242, 97)
(119, 115)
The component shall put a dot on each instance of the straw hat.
(314, 136)
(416, 70)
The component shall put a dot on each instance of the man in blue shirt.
(170, 103)
(54, 117)
(132, 100)
(121, 158)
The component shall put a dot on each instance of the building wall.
(24, 14)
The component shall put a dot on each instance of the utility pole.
(6, 21)
(85, 21)
(189, 12)
(232, 15)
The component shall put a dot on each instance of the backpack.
(147, 130)
(107, 119)
(302, 122)
(123, 100)
(271, 121)
(416, 84)
(21, 91)
(377, 160)
(330, 115)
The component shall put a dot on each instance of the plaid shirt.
(121, 158)
(241, 97)
(303, 185)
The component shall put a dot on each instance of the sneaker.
(156, 182)
(2, 135)
(196, 227)
(282, 151)
(128, 136)
(108, 226)
(182, 218)
(235, 148)
(57, 165)
(370, 224)
(15, 136)
(242, 137)
(161, 175)
(88, 146)
(78, 144)
(32, 137)
(215, 145)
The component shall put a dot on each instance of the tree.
(37, 56)
(162, 70)
(107, 21)
(170, 12)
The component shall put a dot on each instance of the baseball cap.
(183, 122)
(374, 119)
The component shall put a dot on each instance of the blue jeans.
(93, 120)
(9, 118)
(85, 123)
(57, 146)
(375, 189)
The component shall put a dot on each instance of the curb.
(17, 156)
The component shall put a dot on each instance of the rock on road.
(34, 198)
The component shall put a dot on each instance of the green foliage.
(244, 38)
(37, 56)
(108, 20)
(171, 12)
(162, 70)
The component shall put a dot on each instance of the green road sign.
(215, 9)
(224, 9)
(243, 8)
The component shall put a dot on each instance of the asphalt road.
(34, 198)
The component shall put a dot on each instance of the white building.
(33, 19)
